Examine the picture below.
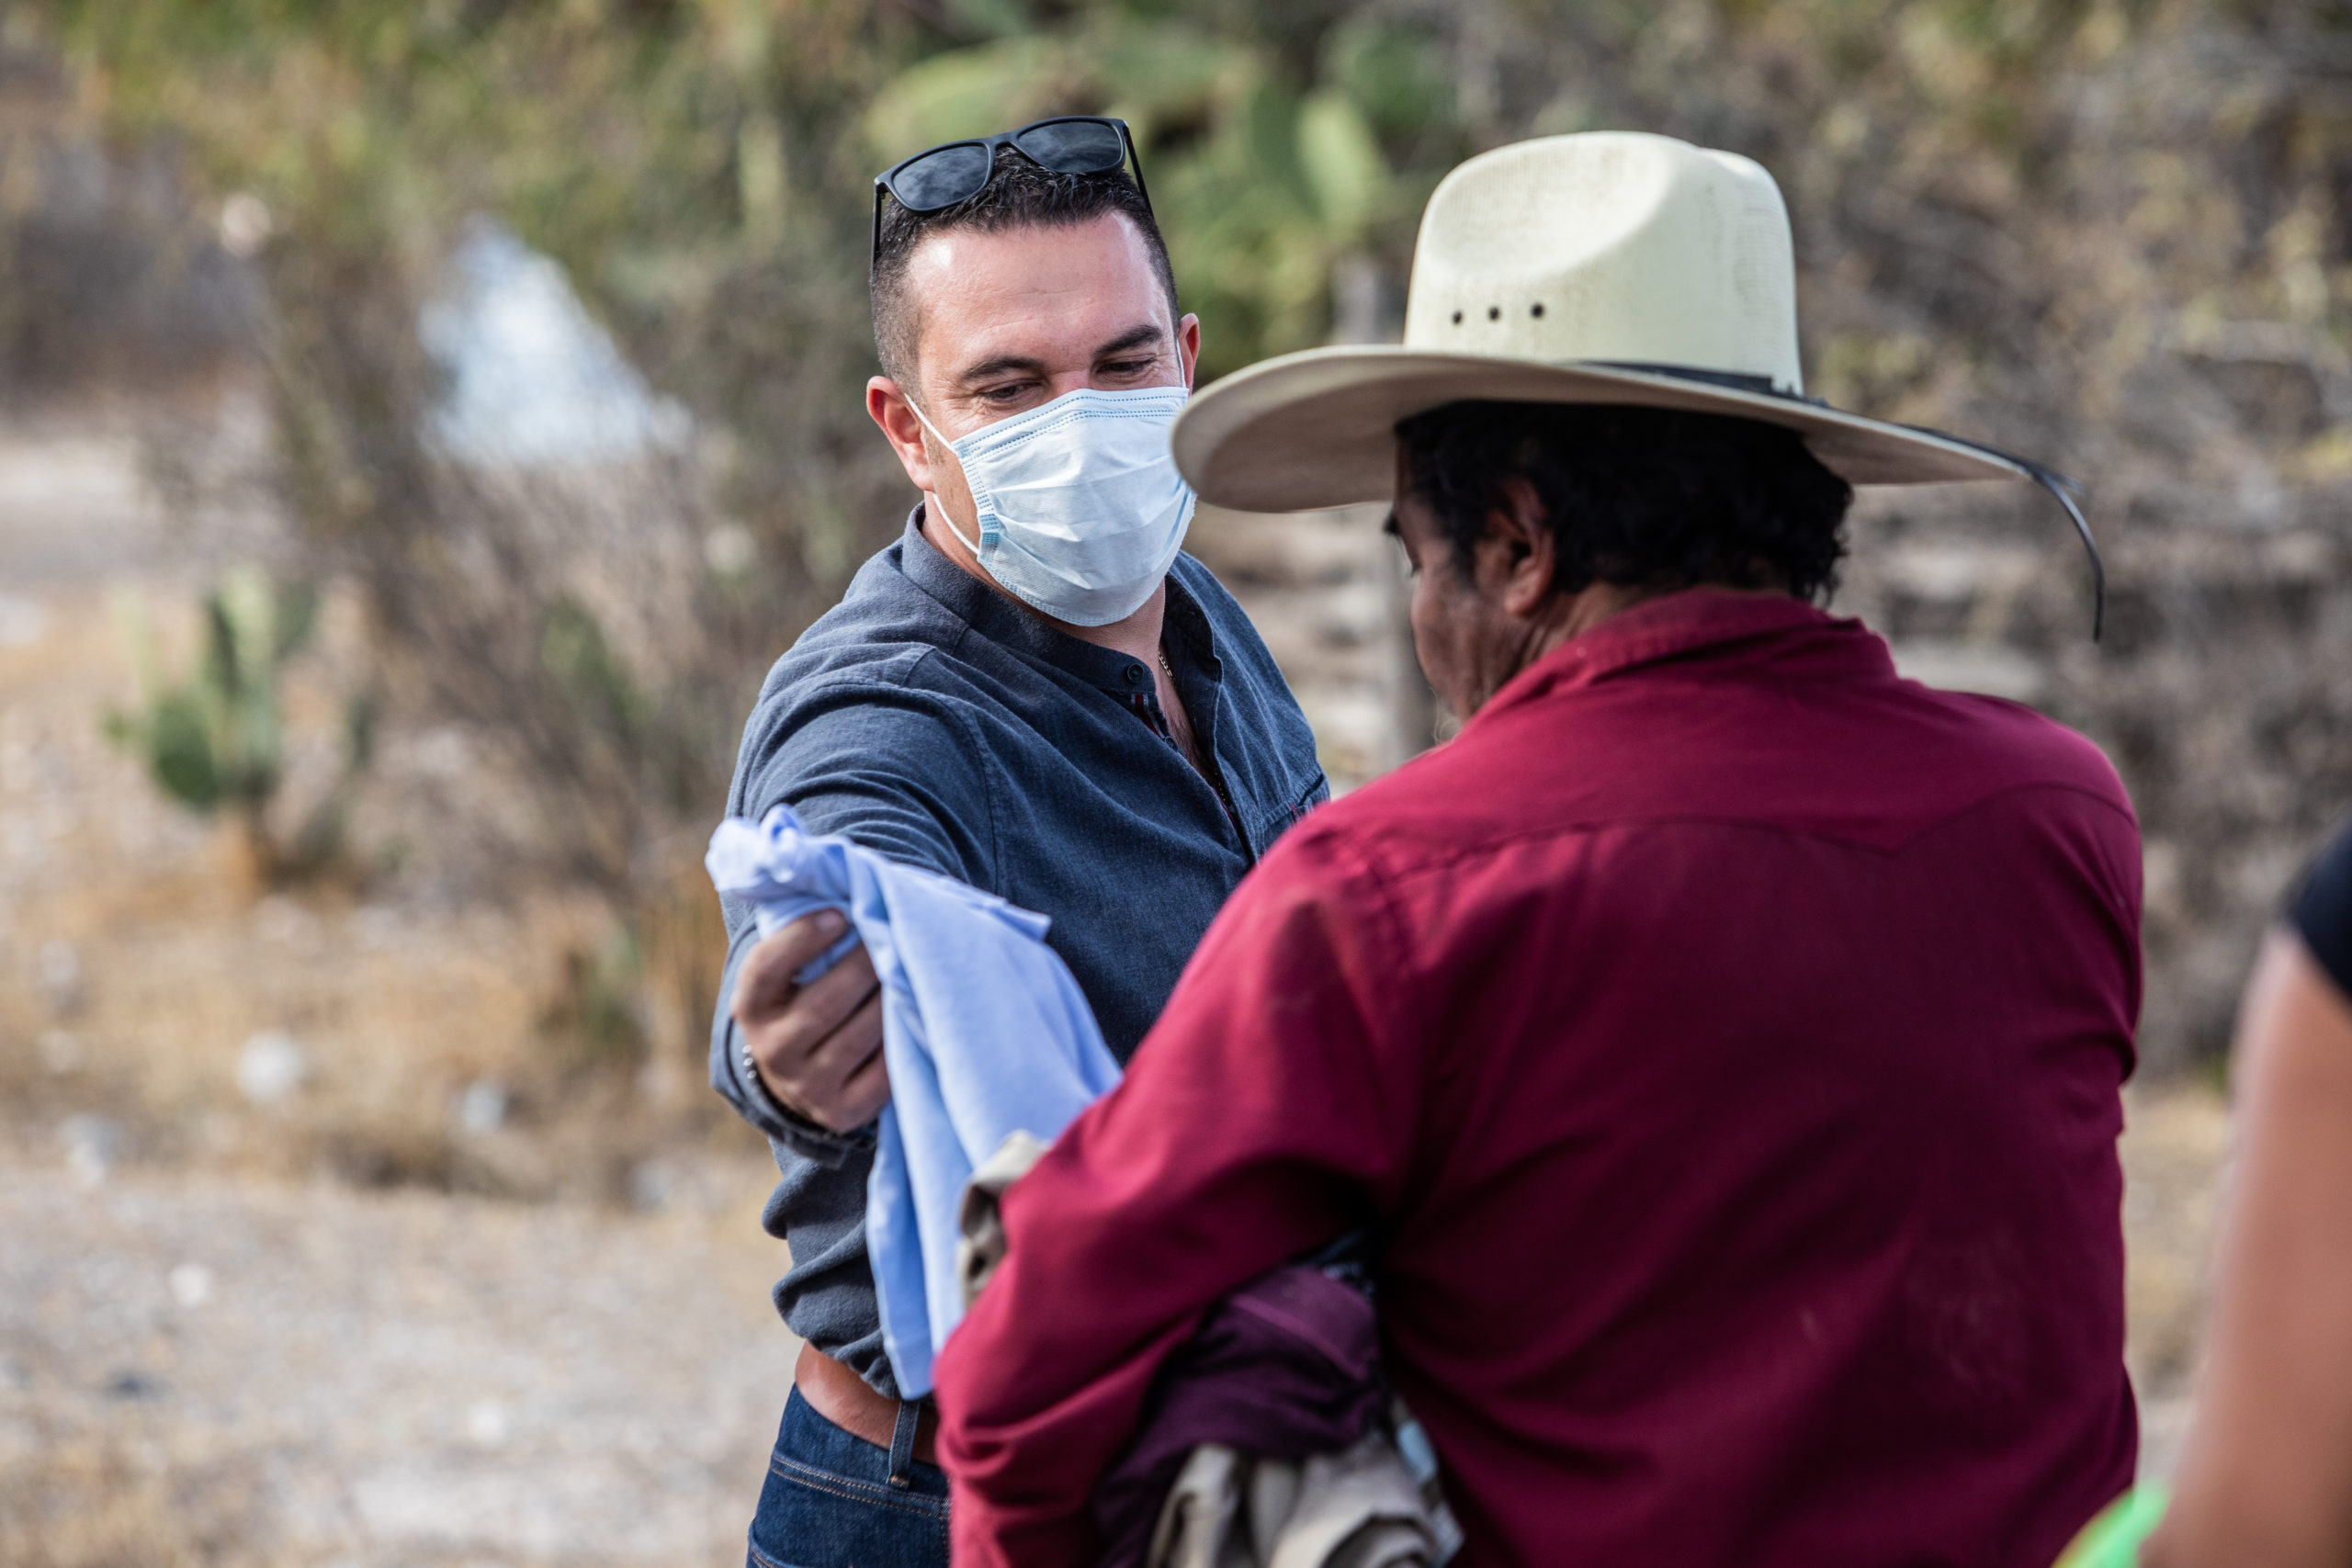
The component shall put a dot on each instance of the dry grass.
(142, 953)
(123, 1497)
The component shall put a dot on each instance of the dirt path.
(213, 1373)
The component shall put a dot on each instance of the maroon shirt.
(1723, 1036)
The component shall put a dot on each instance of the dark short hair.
(1644, 497)
(1019, 195)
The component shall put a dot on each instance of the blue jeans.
(832, 1501)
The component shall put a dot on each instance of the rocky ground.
(221, 1372)
(302, 1259)
(213, 1372)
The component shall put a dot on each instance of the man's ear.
(1529, 554)
(1188, 347)
(891, 410)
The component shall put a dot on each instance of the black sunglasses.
(938, 177)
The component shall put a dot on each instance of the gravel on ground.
(229, 1372)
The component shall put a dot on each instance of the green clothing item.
(2112, 1540)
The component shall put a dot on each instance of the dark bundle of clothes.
(1270, 1440)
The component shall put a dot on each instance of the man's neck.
(1137, 635)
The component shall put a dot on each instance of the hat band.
(1732, 380)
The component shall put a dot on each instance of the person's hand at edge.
(817, 1048)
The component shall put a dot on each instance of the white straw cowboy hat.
(1608, 267)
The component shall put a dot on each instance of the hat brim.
(1316, 428)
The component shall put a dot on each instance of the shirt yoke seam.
(1434, 864)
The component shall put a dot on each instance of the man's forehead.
(1071, 288)
(1108, 240)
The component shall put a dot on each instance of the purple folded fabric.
(1287, 1367)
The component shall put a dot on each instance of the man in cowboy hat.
(1722, 1035)
(1032, 691)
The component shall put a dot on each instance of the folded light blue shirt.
(984, 1032)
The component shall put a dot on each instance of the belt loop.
(902, 1442)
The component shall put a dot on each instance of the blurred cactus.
(215, 740)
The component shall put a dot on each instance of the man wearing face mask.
(1032, 691)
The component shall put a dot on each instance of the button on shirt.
(1722, 1036)
(932, 720)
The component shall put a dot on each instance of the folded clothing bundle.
(985, 1033)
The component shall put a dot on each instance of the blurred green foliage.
(700, 168)
(1264, 177)
(2114, 233)
(214, 740)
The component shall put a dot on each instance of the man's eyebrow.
(1003, 364)
(1134, 337)
(1140, 336)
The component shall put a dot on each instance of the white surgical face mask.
(1081, 510)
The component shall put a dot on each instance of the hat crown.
(1614, 247)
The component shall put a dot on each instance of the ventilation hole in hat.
(1494, 312)
(1537, 309)
(1457, 318)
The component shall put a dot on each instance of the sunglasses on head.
(938, 177)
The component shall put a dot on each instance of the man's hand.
(818, 1048)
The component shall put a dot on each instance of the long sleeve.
(881, 767)
(1273, 1107)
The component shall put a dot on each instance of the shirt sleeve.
(1272, 1108)
(2322, 913)
(893, 768)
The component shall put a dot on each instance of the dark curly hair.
(1019, 195)
(1658, 498)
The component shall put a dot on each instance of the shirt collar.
(1796, 638)
(1000, 620)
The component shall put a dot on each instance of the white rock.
(92, 1147)
(652, 1184)
(270, 1066)
(482, 1108)
(486, 1423)
(191, 1284)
